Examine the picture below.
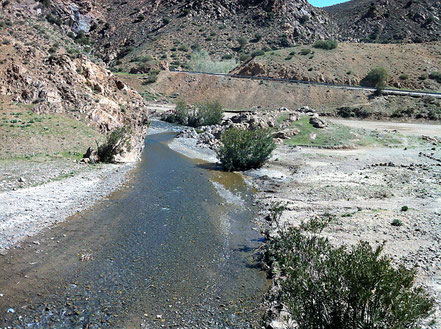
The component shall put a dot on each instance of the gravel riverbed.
(26, 211)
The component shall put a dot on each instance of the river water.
(175, 248)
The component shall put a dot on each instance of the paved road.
(413, 93)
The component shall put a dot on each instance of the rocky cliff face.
(388, 20)
(42, 67)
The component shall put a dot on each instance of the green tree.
(377, 78)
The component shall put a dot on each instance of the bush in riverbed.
(326, 287)
(116, 142)
(245, 149)
(204, 114)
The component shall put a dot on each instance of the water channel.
(174, 248)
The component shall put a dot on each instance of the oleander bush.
(245, 149)
(203, 114)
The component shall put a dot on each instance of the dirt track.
(417, 129)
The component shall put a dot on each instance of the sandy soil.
(25, 212)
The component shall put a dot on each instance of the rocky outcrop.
(45, 76)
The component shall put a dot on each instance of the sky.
(324, 3)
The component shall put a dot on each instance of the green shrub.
(206, 114)
(403, 77)
(397, 222)
(305, 51)
(152, 77)
(256, 53)
(53, 20)
(116, 142)
(376, 77)
(227, 56)
(326, 44)
(166, 20)
(245, 149)
(258, 37)
(142, 59)
(242, 42)
(326, 287)
(244, 57)
(435, 76)
(404, 208)
(179, 115)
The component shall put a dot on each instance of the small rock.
(318, 123)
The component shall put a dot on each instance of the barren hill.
(408, 65)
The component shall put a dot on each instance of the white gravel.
(26, 212)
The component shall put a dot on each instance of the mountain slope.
(388, 20)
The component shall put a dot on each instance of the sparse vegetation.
(201, 61)
(256, 53)
(403, 77)
(245, 149)
(435, 76)
(397, 222)
(343, 287)
(305, 51)
(242, 42)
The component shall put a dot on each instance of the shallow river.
(174, 248)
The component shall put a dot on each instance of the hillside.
(388, 21)
(135, 32)
(408, 65)
(46, 72)
(169, 29)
